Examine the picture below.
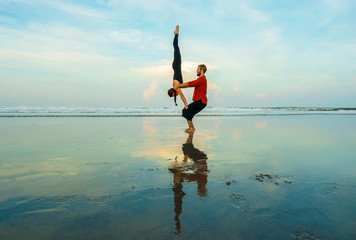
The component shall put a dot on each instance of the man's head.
(201, 70)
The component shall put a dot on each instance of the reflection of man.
(199, 159)
(200, 168)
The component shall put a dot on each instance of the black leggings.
(177, 62)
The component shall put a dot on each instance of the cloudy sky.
(118, 53)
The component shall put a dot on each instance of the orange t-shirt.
(200, 90)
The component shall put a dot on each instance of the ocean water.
(242, 176)
(25, 111)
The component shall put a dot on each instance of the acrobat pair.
(200, 99)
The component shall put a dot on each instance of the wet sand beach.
(239, 177)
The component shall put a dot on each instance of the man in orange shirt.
(199, 97)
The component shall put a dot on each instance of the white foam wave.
(165, 111)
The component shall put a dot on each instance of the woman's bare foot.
(176, 31)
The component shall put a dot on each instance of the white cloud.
(148, 5)
(252, 14)
(68, 32)
(107, 37)
(65, 62)
(151, 91)
(212, 86)
(7, 20)
(132, 36)
(189, 66)
(62, 50)
(218, 98)
(237, 87)
(78, 10)
(331, 9)
(157, 70)
(164, 68)
(270, 35)
(242, 9)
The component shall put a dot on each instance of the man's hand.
(185, 107)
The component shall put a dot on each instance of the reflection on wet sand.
(194, 170)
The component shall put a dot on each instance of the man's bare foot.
(176, 31)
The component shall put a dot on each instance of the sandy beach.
(239, 177)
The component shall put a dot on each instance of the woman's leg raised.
(177, 62)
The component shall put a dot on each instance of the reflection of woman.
(200, 168)
(178, 200)
(177, 68)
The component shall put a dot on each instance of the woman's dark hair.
(171, 93)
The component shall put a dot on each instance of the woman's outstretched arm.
(179, 91)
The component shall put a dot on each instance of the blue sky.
(118, 53)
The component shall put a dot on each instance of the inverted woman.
(177, 68)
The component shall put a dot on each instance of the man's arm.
(183, 85)
(189, 84)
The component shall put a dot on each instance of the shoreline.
(20, 115)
